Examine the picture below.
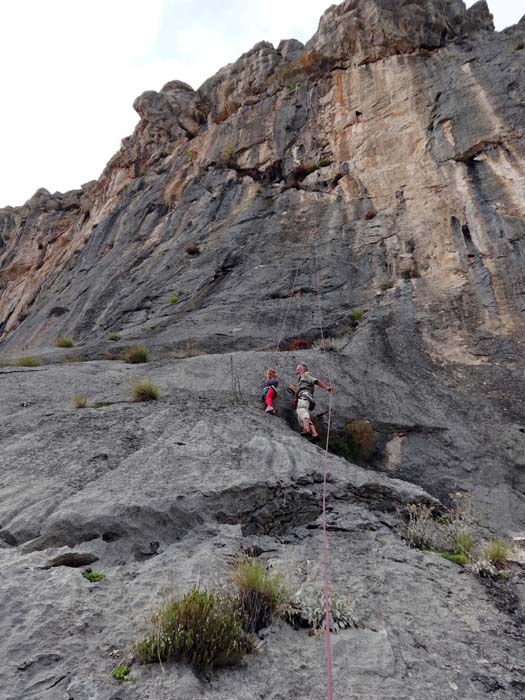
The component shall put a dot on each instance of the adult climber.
(304, 395)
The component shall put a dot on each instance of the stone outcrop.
(382, 165)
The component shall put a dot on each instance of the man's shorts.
(303, 410)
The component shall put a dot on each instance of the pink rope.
(326, 583)
(327, 615)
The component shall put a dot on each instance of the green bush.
(356, 315)
(121, 673)
(80, 400)
(259, 593)
(64, 342)
(28, 362)
(92, 576)
(173, 299)
(145, 391)
(136, 355)
(497, 552)
(200, 628)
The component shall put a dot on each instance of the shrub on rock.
(200, 628)
(64, 342)
(145, 391)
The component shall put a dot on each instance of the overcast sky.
(71, 70)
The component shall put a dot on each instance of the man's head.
(301, 369)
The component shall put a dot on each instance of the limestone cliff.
(388, 155)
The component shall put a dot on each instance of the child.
(269, 391)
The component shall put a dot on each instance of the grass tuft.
(64, 342)
(136, 355)
(497, 552)
(80, 400)
(113, 336)
(173, 299)
(145, 391)
(260, 594)
(27, 362)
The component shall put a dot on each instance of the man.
(304, 394)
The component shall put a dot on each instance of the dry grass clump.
(200, 628)
(145, 391)
(136, 355)
(64, 342)
(329, 344)
(80, 400)
(260, 594)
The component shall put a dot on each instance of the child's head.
(270, 374)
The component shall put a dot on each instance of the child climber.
(269, 391)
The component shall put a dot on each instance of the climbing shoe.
(270, 409)
(315, 438)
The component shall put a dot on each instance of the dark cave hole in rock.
(71, 559)
(110, 536)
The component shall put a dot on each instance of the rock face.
(381, 165)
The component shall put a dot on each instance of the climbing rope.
(326, 579)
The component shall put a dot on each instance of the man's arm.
(322, 385)
(292, 389)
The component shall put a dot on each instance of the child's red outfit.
(269, 392)
(270, 395)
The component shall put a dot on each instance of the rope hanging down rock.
(326, 579)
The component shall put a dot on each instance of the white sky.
(71, 70)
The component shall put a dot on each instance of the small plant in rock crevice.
(145, 391)
(228, 158)
(64, 342)
(307, 609)
(497, 552)
(173, 299)
(92, 576)
(329, 344)
(80, 400)
(113, 337)
(136, 355)
(121, 673)
(260, 593)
